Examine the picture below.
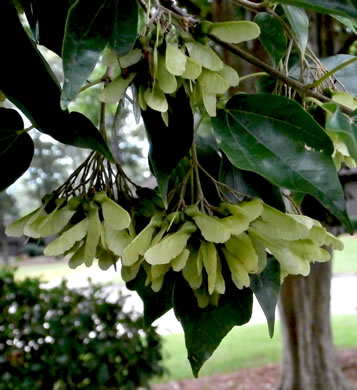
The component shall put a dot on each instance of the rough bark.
(309, 358)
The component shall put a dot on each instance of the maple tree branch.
(297, 85)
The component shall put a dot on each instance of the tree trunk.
(309, 358)
(4, 249)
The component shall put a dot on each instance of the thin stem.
(96, 82)
(250, 5)
(200, 196)
(316, 83)
(27, 129)
(218, 184)
(302, 88)
(248, 76)
(313, 100)
(198, 124)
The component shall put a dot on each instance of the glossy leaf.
(156, 304)
(16, 148)
(334, 7)
(205, 328)
(168, 144)
(89, 28)
(48, 31)
(10, 122)
(345, 128)
(86, 34)
(272, 36)
(19, 83)
(266, 288)
(291, 146)
(17, 158)
(299, 22)
(123, 25)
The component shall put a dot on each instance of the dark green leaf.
(266, 287)
(272, 36)
(10, 120)
(16, 148)
(334, 7)
(265, 84)
(168, 145)
(86, 35)
(35, 90)
(299, 22)
(156, 304)
(16, 157)
(124, 30)
(346, 130)
(251, 184)
(91, 25)
(205, 328)
(81, 132)
(276, 138)
(47, 20)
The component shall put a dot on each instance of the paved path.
(343, 297)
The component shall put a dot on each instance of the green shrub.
(61, 339)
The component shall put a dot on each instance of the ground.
(257, 378)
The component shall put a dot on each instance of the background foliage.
(63, 338)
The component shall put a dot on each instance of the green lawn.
(49, 271)
(46, 272)
(346, 261)
(246, 346)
